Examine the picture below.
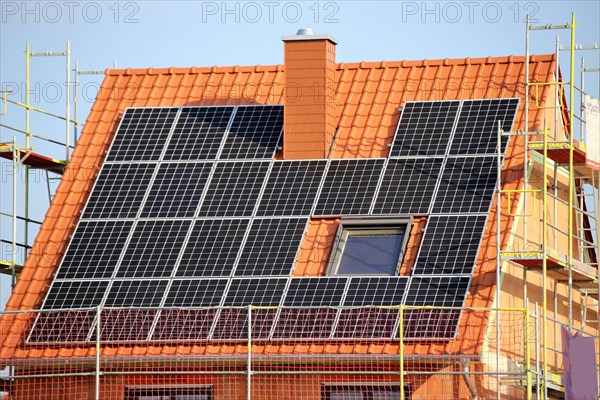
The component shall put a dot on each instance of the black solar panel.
(349, 187)
(212, 248)
(63, 326)
(437, 291)
(176, 190)
(94, 250)
(198, 133)
(315, 291)
(271, 247)
(126, 325)
(153, 249)
(196, 293)
(234, 189)
(142, 134)
(308, 321)
(75, 294)
(477, 125)
(119, 191)
(425, 128)
(450, 244)
(254, 132)
(407, 186)
(138, 293)
(255, 291)
(179, 324)
(466, 186)
(367, 323)
(291, 188)
(233, 322)
(380, 291)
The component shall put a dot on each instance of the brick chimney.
(309, 97)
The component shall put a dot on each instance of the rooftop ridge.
(339, 66)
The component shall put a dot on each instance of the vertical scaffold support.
(249, 361)
(401, 350)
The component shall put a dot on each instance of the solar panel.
(234, 189)
(68, 326)
(136, 293)
(435, 291)
(212, 248)
(75, 294)
(254, 132)
(450, 244)
(380, 291)
(307, 322)
(183, 324)
(119, 191)
(367, 323)
(198, 133)
(477, 126)
(176, 190)
(425, 128)
(196, 293)
(62, 326)
(153, 249)
(125, 325)
(142, 134)
(349, 187)
(291, 188)
(255, 291)
(315, 291)
(271, 247)
(233, 323)
(407, 186)
(94, 250)
(466, 186)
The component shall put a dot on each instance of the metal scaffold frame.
(25, 158)
(541, 254)
(244, 370)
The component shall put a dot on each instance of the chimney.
(309, 95)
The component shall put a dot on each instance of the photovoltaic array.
(450, 149)
(190, 209)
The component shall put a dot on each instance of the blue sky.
(141, 34)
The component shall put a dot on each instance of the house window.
(364, 392)
(369, 247)
(169, 393)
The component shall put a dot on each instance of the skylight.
(369, 247)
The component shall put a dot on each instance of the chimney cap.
(305, 31)
(308, 34)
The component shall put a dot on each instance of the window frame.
(372, 227)
(368, 389)
(167, 391)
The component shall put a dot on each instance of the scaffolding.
(25, 158)
(559, 150)
(244, 353)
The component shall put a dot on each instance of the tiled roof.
(368, 96)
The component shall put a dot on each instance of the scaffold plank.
(558, 267)
(559, 151)
(33, 160)
(6, 268)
